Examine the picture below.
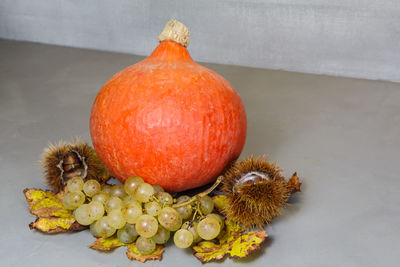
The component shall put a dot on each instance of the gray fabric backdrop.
(356, 38)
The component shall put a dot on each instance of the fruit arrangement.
(162, 126)
(144, 217)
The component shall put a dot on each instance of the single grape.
(93, 230)
(128, 198)
(183, 198)
(96, 210)
(145, 245)
(146, 226)
(132, 211)
(91, 187)
(101, 197)
(191, 226)
(170, 219)
(131, 184)
(208, 228)
(144, 192)
(106, 188)
(162, 235)
(206, 205)
(165, 198)
(113, 203)
(116, 219)
(127, 234)
(75, 184)
(183, 238)
(118, 190)
(218, 218)
(103, 228)
(185, 211)
(157, 188)
(73, 200)
(81, 215)
(152, 208)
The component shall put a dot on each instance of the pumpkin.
(168, 119)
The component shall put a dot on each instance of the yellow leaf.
(107, 243)
(232, 242)
(52, 216)
(53, 225)
(134, 254)
(46, 203)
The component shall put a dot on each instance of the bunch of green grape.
(142, 213)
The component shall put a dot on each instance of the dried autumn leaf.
(53, 225)
(133, 253)
(104, 244)
(234, 242)
(52, 216)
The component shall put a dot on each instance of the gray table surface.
(341, 135)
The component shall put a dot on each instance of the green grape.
(101, 197)
(103, 228)
(128, 198)
(183, 238)
(96, 210)
(183, 198)
(127, 234)
(81, 215)
(218, 218)
(131, 184)
(106, 188)
(157, 188)
(75, 184)
(73, 200)
(132, 211)
(118, 190)
(93, 230)
(116, 219)
(145, 245)
(162, 235)
(184, 211)
(206, 205)
(170, 219)
(152, 208)
(91, 187)
(144, 192)
(208, 228)
(191, 226)
(146, 226)
(113, 203)
(165, 198)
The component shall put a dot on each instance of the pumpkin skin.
(169, 120)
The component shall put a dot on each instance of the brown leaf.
(54, 225)
(105, 244)
(133, 253)
(234, 242)
(52, 216)
(294, 183)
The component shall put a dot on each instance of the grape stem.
(199, 195)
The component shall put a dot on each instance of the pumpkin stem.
(175, 31)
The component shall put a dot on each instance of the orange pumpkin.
(168, 119)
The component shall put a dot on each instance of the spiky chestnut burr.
(64, 160)
(256, 191)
